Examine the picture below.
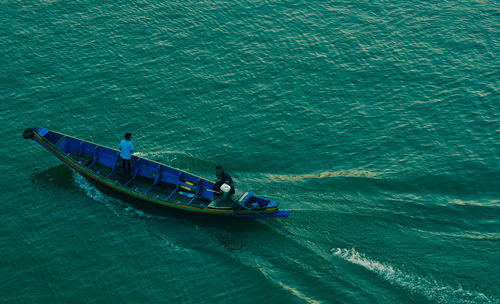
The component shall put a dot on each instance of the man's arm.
(227, 179)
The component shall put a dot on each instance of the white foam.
(429, 287)
(159, 155)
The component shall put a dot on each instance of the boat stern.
(257, 204)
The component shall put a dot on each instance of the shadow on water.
(58, 177)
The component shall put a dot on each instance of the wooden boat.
(150, 181)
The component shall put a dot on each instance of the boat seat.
(245, 198)
(156, 174)
(198, 189)
(136, 170)
(170, 195)
(94, 158)
(177, 185)
(59, 143)
(80, 149)
(115, 165)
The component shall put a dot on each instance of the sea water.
(376, 123)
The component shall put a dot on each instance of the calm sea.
(376, 123)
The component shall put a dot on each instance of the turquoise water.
(376, 123)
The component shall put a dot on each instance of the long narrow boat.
(150, 181)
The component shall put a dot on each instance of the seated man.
(223, 188)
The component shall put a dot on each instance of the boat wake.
(429, 287)
(322, 175)
(117, 206)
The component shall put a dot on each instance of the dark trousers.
(126, 166)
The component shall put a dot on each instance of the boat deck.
(163, 191)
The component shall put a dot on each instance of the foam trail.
(166, 157)
(116, 205)
(171, 155)
(430, 288)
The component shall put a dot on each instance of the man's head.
(128, 136)
(219, 170)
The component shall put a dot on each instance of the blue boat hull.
(150, 181)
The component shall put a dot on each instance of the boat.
(149, 181)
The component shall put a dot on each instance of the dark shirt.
(225, 178)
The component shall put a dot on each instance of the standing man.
(126, 149)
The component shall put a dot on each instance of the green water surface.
(376, 123)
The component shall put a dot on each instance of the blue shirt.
(126, 149)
